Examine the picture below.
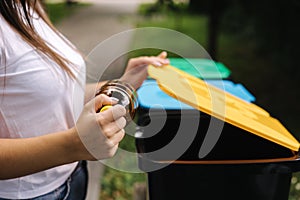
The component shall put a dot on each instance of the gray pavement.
(93, 24)
(88, 27)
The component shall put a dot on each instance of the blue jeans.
(73, 189)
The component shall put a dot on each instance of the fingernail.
(114, 99)
(158, 64)
(166, 61)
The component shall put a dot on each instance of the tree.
(214, 9)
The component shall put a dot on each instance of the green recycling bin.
(201, 67)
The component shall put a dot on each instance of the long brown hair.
(18, 14)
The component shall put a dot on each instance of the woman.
(41, 124)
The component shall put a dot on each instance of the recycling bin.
(202, 68)
(240, 165)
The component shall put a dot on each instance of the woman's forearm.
(19, 157)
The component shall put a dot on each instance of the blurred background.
(257, 40)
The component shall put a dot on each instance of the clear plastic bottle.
(125, 94)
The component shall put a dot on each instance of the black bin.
(241, 165)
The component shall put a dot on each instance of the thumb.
(163, 55)
(97, 102)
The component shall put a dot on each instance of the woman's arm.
(137, 69)
(95, 136)
(135, 73)
(19, 157)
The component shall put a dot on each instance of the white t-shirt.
(37, 97)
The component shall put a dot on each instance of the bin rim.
(259, 166)
(295, 158)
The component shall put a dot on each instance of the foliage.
(181, 21)
(295, 187)
(163, 7)
(58, 11)
(272, 25)
(267, 45)
(118, 185)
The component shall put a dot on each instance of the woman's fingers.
(158, 62)
(101, 100)
(100, 133)
(163, 58)
(110, 115)
(112, 120)
(112, 128)
(117, 137)
(147, 60)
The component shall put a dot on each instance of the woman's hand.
(136, 70)
(100, 133)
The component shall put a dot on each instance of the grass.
(191, 25)
(59, 11)
(118, 185)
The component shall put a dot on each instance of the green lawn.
(58, 11)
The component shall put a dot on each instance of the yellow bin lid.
(222, 105)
